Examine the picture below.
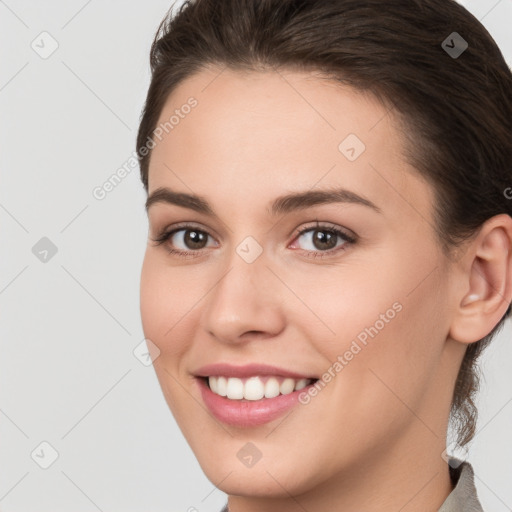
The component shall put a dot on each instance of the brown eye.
(185, 240)
(322, 239)
(195, 239)
(191, 238)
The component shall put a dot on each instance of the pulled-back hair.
(455, 110)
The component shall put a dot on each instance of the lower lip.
(248, 413)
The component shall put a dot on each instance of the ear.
(486, 281)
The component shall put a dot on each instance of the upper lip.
(248, 370)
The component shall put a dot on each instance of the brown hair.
(456, 111)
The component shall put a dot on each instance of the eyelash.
(166, 235)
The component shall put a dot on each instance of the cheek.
(171, 299)
(381, 324)
(335, 305)
(161, 301)
(152, 298)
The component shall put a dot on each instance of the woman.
(329, 244)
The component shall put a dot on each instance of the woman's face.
(365, 311)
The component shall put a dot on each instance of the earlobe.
(489, 279)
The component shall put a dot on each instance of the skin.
(373, 438)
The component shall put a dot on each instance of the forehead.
(261, 134)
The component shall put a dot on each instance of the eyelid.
(327, 226)
(348, 238)
(347, 235)
(166, 233)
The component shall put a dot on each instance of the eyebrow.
(281, 205)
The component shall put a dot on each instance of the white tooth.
(254, 389)
(221, 386)
(302, 383)
(213, 383)
(271, 388)
(287, 386)
(235, 388)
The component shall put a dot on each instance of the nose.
(245, 303)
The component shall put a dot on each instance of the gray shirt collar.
(464, 497)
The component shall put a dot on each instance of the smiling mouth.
(255, 387)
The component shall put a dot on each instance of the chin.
(273, 476)
(254, 482)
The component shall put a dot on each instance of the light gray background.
(68, 375)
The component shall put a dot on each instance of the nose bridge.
(245, 297)
(247, 264)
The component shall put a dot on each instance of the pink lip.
(248, 370)
(247, 413)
